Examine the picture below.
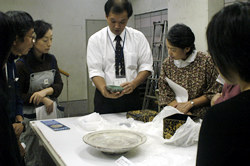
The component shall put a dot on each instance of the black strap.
(53, 62)
(30, 116)
(21, 59)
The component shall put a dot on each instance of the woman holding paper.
(40, 83)
(188, 77)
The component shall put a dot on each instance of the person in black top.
(9, 151)
(40, 83)
(24, 27)
(225, 130)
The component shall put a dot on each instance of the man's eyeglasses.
(33, 37)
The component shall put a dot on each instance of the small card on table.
(54, 125)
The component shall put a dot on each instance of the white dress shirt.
(101, 54)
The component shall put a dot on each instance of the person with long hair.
(225, 130)
(9, 150)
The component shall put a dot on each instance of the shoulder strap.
(53, 62)
(21, 59)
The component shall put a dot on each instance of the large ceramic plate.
(114, 141)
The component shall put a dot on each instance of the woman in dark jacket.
(40, 83)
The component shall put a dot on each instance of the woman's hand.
(128, 87)
(38, 96)
(216, 96)
(184, 107)
(49, 105)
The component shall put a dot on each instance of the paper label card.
(54, 125)
(123, 161)
(119, 81)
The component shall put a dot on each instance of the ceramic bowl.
(113, 88)
(114, 141)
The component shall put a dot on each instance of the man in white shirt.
(127, 68)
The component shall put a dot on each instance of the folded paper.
(181, 94)
(42, 114)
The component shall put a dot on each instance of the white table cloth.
(67, 147)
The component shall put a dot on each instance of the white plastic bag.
(186, 135)
(90, 122)
(41, 113)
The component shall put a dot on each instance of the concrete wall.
(69, 40)
(68, 18)
(196, 14)
(144, 6)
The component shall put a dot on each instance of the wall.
(195, 14)
(144, 6)
(229, 2)
(68, 18)
(69, 40)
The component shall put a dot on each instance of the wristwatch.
(24, 125)
(192, 102)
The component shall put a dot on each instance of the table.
(67, 147)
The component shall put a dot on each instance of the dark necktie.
(119, 58)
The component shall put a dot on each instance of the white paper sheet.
(220, 79)
(75, 152)
(42, 114)
(185, 136)
(90, 122)
(181, 94)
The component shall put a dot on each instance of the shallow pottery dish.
(113, 88)
(114, 141)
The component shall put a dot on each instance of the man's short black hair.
(118, 6)
(22, 22)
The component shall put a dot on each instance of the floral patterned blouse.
(198, 78)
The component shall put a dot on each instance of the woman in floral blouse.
(191, 69)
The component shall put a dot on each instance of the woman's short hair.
(41, 28)
(7, 37)
(180, 35)
(118, 6)
(22, 22)
(228, 38)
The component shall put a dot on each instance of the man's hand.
(128, 87)
(111, 95)
(18, 128)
